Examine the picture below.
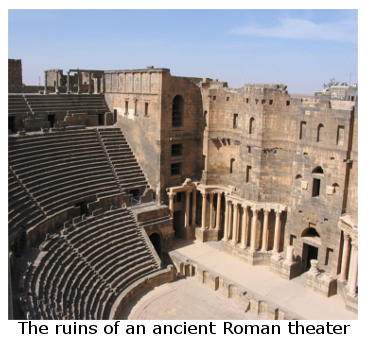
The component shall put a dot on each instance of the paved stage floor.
(189, 299)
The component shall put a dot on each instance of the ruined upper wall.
(14, 76)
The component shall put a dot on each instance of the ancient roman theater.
(136, 194)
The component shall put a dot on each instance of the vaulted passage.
(155, 238)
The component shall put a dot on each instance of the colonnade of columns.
(172, 194)
(92, 79)
(232, 221)
(350, 250)
(211, 218)
(211, 225)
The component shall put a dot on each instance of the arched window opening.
(251, 125)
(318, 170)
(320, 133)
(335, 188)
(310, 232)
(205, 117)
(177, 111)
(298, 177)
(232, 160)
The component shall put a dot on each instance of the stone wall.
(14, 72)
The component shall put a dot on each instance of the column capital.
(204, 194)
(255, 211)
(266, 211)
(346, 236)
(171, 194)
(278, 213)
(188, 191)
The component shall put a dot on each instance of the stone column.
(345, 258)
(235, 224)
(244, 227)
(354, 269)
(187, 209)
(89, 82)
(218, 214)
(254, 230)
(277, 232)
(226, 224)
(171, 196)
(46, 82)
(204, 209)
(289, 255)
(68, 91)
(211, 210)
(264, 232)
(78, 82)
(194, 215)
(102, 86)
(56, 82)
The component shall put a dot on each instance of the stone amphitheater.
(122, 182)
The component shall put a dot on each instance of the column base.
(352, 302)
(322, 284)
(206, 235)
(246, 255)
(280, 267)
(186, 233)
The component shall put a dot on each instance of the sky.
(300, 48)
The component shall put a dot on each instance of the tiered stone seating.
(79, 273)
(73, 103)
(123, 160)
(61, 169)
(17, 105)
(22, 209)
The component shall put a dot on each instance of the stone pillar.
(194, 215)
(289, 255)
(211, 210)
(46, 82)
(56, 82)
(277, 232)
(226, 224)
(204, 209)
(171, 196)
(254, 230)
(354, 269)
(345, 258)
(187, 209)
(235, 224)
(102, 86)
(244, 227)
(218, 213)
(90, 83)
(266, 213)
(78, 82)
(68, 91)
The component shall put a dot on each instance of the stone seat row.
(57, 153)
(22, 211)
(39, 145)
(69, 284)
(48, 280)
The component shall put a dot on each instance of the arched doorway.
(311, 243)
(155, 238)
